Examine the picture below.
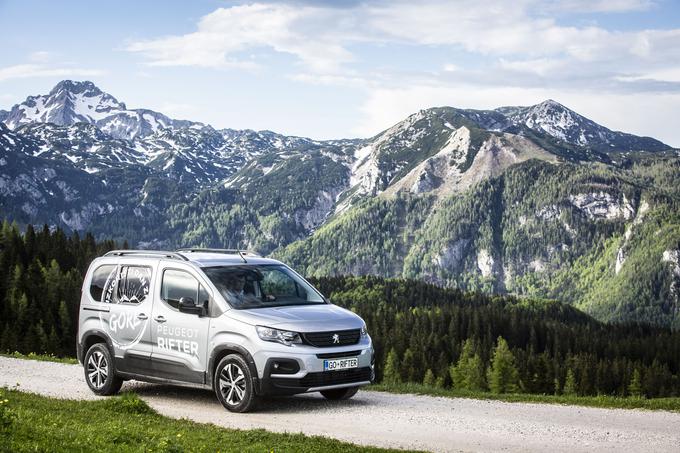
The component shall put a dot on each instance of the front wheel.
(233, 384)
(340, 394)
(99, 372)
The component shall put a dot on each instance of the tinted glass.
(256, 286)
(133, 284)
(178, 284)
(99, 279)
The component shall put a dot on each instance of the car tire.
(100, 374)
(340, 394)
(233, 384)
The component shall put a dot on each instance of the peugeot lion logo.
(336, 338)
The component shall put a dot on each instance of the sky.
(348, 69)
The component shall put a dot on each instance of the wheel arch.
(92, 337)
(224, 350)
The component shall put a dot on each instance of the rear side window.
(130, 285)
(177, 284)
(99, 278)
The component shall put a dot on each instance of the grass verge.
(604, 401)
(126, 423)
(40, 357)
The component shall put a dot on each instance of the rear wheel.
(233, 383)
(340, 394)
(99, 371)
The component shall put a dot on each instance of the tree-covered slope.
(591, 235)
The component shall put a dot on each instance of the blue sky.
(351, 69)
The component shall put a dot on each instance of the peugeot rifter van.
(227, 320)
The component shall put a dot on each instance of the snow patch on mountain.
(72, 102)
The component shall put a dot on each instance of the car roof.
(199, 257)
(217, 259)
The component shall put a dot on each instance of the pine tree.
(468, 373)
(502, 375)
(570, 383)
(407, 366)
(391, 372)
(429, 380)
(635, 386)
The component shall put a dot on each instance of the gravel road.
(387, 420)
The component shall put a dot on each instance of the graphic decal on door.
(126, 286)
(180, 339)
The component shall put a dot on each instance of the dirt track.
(387, 420)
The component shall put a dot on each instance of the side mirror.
(187, 305)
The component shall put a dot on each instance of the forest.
(423, 333)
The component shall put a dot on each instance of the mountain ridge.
(505, 200)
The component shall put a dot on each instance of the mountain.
(72, 102)
(558, 121)
(536, 200)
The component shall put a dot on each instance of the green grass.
(128, 424)
(40, 357)
(604, 401)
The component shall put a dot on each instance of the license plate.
(340, 364)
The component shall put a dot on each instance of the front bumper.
(301, 371)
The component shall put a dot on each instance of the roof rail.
(162, 253)
(241, 253)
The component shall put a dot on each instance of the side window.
(177, 284)
(99, 279)
(131, 285)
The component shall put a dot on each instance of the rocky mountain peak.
(71, 102)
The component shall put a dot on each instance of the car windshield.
(259, 286)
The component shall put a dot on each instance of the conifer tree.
(391, 374)
(407, 366)
(502, 375)
(429, 379)
(468, 373)
(635, 386)
(570, 383)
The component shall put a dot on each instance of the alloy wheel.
(97, 369)
(232, 384)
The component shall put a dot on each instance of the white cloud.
(24, 71)
(522, 33)
(40, 56)
(226, 32)
(600, 6)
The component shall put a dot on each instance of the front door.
(180, 340)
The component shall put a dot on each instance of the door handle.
(160, 318)
(142, 316)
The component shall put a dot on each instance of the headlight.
(279, 336)
(364, 331)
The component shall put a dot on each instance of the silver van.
(227, 320)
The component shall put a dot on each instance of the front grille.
(325, 339)
(336, 377)
(338, 355)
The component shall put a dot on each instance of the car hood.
(300, 318)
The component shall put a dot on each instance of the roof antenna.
(242, 255)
